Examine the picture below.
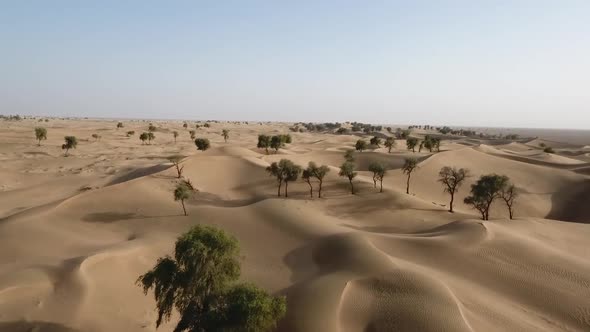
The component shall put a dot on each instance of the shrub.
(202, 144)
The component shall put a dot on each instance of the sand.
(77, 231)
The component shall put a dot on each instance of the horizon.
(516, 65)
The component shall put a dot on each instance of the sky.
(467, 63)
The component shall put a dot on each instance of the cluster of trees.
(375, 142)
(11, 117)
(489, 188)
(286, 171)
(365, 127)
(273, 142)
(200, 282)
(428, 142)
(147, 136)
(319, 127)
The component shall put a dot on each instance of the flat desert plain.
(77, 231)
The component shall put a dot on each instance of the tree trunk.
(286, 188)
(310, 190)
(351, 186)
(279, 192)
(408, 184)
(381, 190)
(451, 204)
(389, 151)
(320, 190)
(183, 208)
(374, 182)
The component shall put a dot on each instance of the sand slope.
(76, 233)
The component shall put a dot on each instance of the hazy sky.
(486, 63)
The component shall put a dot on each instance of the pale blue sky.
(484, 63)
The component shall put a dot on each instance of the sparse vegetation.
(411, 143)
(284, 171)
(409, 167)
(202, 144)
(175, 160)
(379, 172)
(151, 137)
(199, 281)
(509, 194)
(175, 135)
(485, 191)
(119, 125)
(152, 128)
(349, 155)
(143, 137)
(40, 134)
(452, 179)
(263, 142)
(71, 143)
(360, 145)
(225, 134)
(347, 170)
(390, 144)
(130, 133)
(182, 193)
(376, 141)
(193, 134)
(313, 171)
(96, 137)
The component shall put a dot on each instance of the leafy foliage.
(349, 155)
(40, 134)
(263, 142)
(143, 137)
(347, 170)
(71, 143)
(485, 191)
(411, 143)
(196, 282)
(285, 171)
(379, 172)
(202, 144)
(225, 134)
(360, 145)
(181, 193)
(389, 144)
(376, 141)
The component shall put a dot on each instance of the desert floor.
(77, 231)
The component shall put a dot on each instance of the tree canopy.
(40, 134)
(379, 172)
(410, 165)
(485, 191)
(452, 179)
(202, 144)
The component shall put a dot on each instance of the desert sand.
(77, 231)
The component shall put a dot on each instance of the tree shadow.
(141, 172)
(37, 326)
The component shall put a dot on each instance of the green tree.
(411, 143)
(389, 144)
(275, 170)
(263, 142)
(319, 173)
(347, 170)
(175, 134)
(379, 172)
(119, 125)
(410, 166)
(182, 193)
(40, 134)
(509, 194)
(349, 155)
(199, 282)
(225, 134)
(143, 137)
(376, 141)
(291, 171)
(360, 145)
(202, 144)
(452, 179)
(428, 143)
(150, 137)
(71, 143)
(485, 191)
(276, 142)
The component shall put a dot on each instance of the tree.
(291, 173)
(143, 137)
(307, 175)
(347, 170)
(119, 125)
(185, 125)
(175, 160)
(225, 134)
(175, 134)
(319, 173)
(389, 144)
(375, 141)
(452, 179)
(485, 191)
(199, 282)
(130, 133)
(71, 143)
(96, 137)
(436, 143)
(360, 145)
(181, 193)
(428, 143)
(263, 142)
(202, 144)
(509, 194)
(275, 170)
(192, 133)
(410, 166)
(349, 155)
(150, 137)
(378, 173)
(277, 142)
(411, 143)
(341, 131)
(40, 134)
(151, 128)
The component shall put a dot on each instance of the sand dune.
(76, 232)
